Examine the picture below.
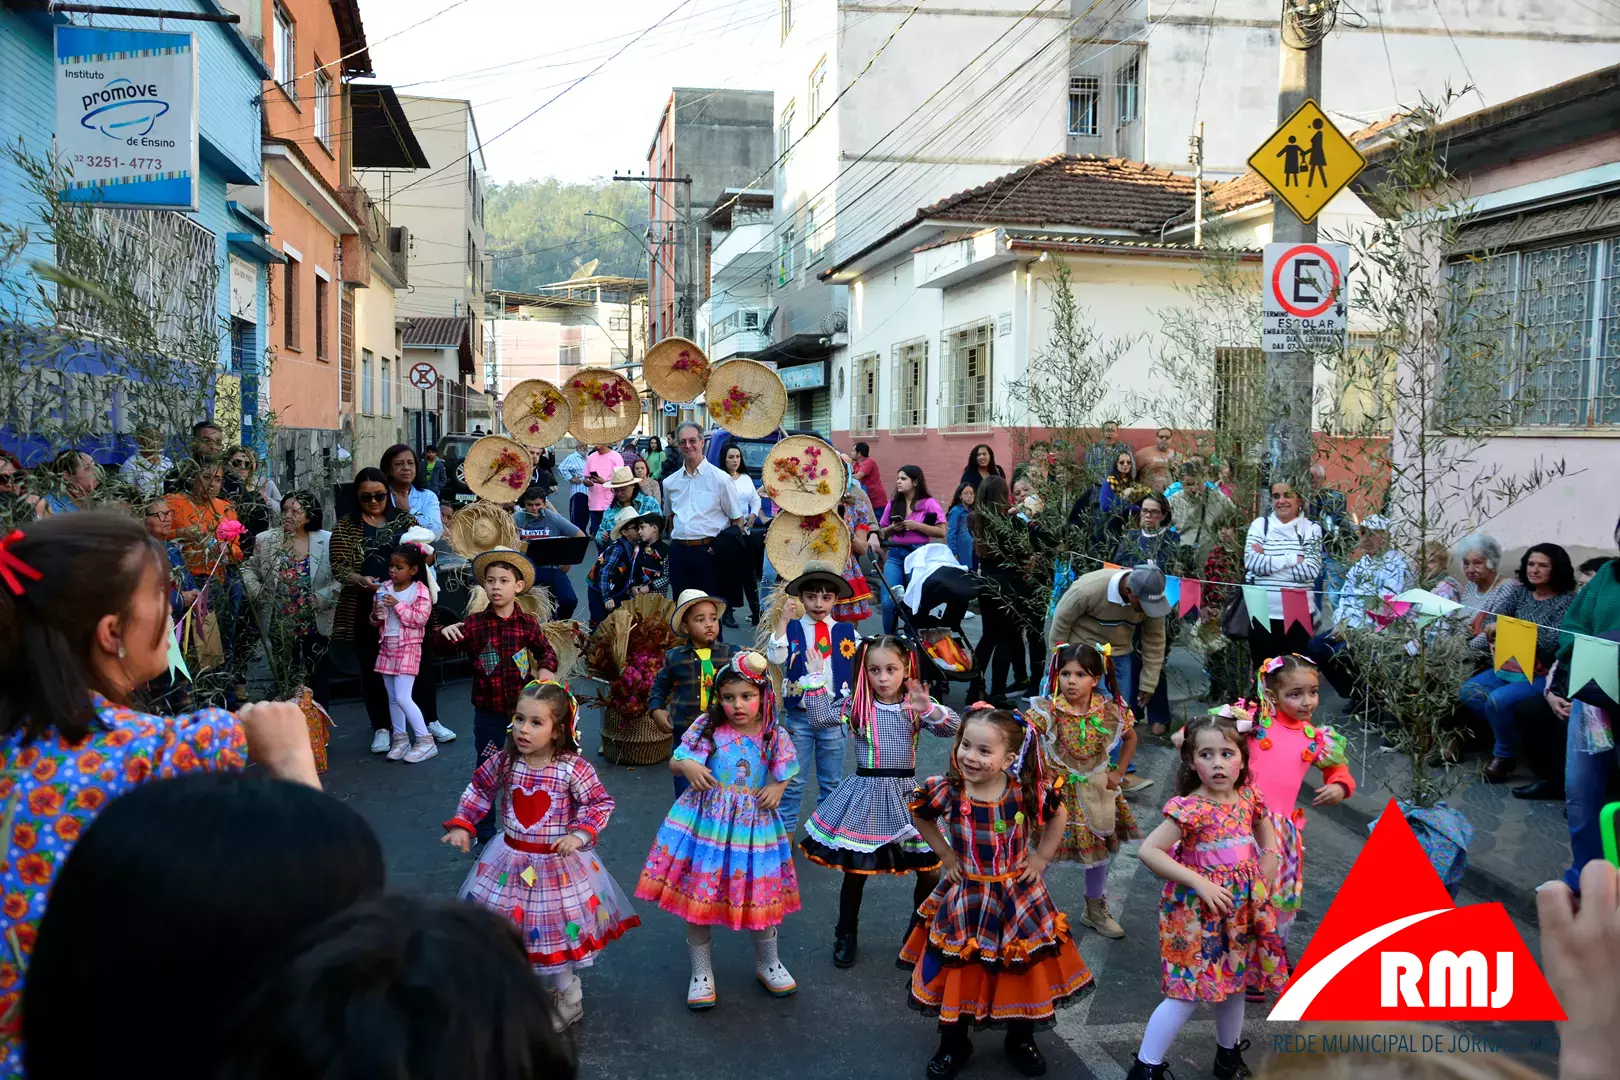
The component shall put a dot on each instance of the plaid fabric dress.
(1204, 955)
(566, 907)
(988, 948)
(864, 826)
(402, 653)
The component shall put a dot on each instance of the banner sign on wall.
(126, 116)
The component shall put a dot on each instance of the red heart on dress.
(530, 806)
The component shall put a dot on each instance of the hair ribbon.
(11, 565)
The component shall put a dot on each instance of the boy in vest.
(680, 691)
(803, 625)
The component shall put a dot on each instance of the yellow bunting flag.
(1515, 648)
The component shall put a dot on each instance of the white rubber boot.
(567, 1005)
(700, 991)
(768, 966)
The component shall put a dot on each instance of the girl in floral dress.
(990, 948)
(540, 870)
(722, 857)
(1080, 729)
(1217, 851)
(864, 827)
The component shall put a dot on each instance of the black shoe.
(1229, 1064)
(730, 620)
(950, 1059)
(1539, 789)
(844, 949)
(1141, 1070)
(1026, 1056)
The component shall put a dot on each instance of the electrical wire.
(1458, 50)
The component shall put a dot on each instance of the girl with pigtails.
(1080, 729)
(990, 949)
(864, 828)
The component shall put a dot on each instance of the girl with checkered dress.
(991, 949)
(400, 609)
(541, 869)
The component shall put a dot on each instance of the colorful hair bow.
(573, 705)
(11, 566)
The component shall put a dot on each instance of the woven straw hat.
(497, 469)
(761, 406)
(510, 556)
(819, 572)
(676, 369)
(532, 602)
(536, 413)
(677, 618)
(793, 542)
(593, 421)
(479, 527)
(623, 476)
(804, 475)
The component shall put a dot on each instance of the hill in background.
(538, 232)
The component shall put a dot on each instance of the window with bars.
(1240, 379)
(909, 386)
(368, 399)
(1542, 330)
(1084, 92)
(286, 52)
(323, 317)
(170, 275)
(323, 108)
(1128, 91)
(965, 380)
(863, 414)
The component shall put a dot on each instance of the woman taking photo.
(86, 599)
(737, 545)
(1282, 550)
(911, 519)
(981, 464)
(360, 545)
(289, 582)
(405, 488)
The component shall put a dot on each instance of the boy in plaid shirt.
(680, 690)
(507, 647)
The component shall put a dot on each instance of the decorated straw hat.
(676, 369)
(512, 557)
(605, 404)
(497, 469)
(479, 527)
(793, 541)
(567, 639)
(630, 517)
(534, 602)
(804, 475)
(746, 398)
(623, 476)
(689, 597)
(819, 574)
(536, 413)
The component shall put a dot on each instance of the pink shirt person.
(602, 464)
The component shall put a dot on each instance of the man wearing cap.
(703, 501)
(1108, 607)
(1379, 571)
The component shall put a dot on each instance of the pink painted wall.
(1601, 150)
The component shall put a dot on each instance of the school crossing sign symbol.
(1394, 946)
(1307, 161)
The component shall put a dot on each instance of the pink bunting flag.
(1296, 608)
(1388, 611)
(1192, 597)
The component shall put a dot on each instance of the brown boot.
(1098, 918)
(1498, 771)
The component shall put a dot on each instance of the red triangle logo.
(1393, 946)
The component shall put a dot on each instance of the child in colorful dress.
(683, 689)
(722, 857)
(990, 947)
(1217, 851)
(539, 870)
(401, 609)
(1080, 728)
(865, 827)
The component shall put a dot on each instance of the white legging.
(400, 706)
(1167, 1020)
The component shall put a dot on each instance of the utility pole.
(1289, 385)
(1195, 155)
(689, 318)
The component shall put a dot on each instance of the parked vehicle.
(754, 451)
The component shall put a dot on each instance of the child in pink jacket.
(401, 609)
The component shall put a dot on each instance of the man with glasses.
(703, 502)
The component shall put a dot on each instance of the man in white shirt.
(146, 468)
(703, 502)
(572, 470)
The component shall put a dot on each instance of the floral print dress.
(1204, 955)
(1077, 743)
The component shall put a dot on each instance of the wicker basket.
(634, 740)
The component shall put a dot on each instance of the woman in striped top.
(1282, 551)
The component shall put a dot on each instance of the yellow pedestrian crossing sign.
(1307, 161)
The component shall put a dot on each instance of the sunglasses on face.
(366, 496)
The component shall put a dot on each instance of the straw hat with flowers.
(479, 527)
(793, 541)
(804, 475)
(497, 469)
(536, 413)
(605, 404)
(676, 369)
(746, 398)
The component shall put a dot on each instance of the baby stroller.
(943, 595)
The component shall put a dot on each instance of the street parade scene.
(483, 595)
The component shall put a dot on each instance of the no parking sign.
(1305, 300)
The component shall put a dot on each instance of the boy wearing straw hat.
(500, 640)
(680, 690)
(805, 624)
(633, 564)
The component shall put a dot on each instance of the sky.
(510, 57)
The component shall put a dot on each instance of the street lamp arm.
(626, 228)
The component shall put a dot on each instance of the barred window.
(965, 380)
(908, 386)
(863, 416)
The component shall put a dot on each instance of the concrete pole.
(1289, 375)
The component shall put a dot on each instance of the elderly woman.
(1482, 586)
(1541, 595)
(289, 581)
(407, 488)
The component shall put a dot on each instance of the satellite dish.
(585, 271)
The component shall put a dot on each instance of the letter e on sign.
(1304, 297)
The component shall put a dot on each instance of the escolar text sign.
(1304, 297)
